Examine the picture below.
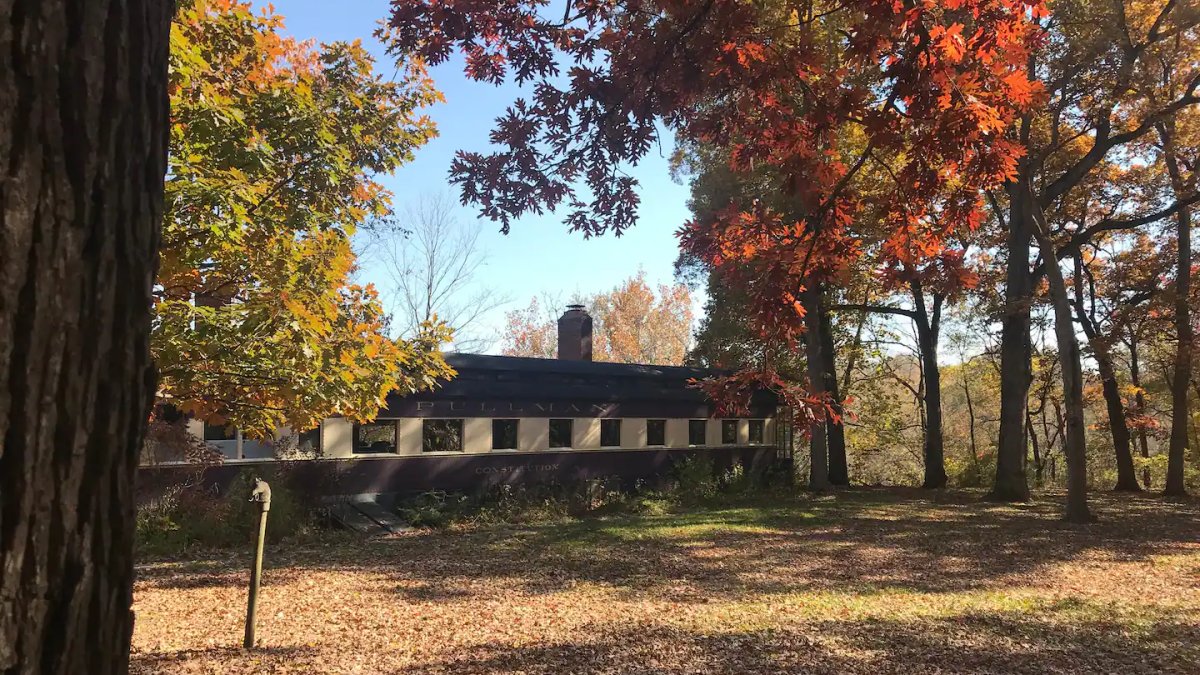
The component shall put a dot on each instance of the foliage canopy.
(274, 147)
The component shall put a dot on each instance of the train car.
(510, 420)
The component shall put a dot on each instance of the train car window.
(504, 434)
(374, 438)
(656, 432)
(560, 433)
(756, 429)
(438, 435)
(729, 432)
(610, 433)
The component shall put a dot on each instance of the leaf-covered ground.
(861, 582)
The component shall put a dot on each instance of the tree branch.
(1085, 235)
(878, 309)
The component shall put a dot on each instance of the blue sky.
(539, 255)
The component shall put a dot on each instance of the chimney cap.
(574, 307)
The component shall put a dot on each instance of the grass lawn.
(869, 581)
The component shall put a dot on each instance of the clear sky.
(539, 255)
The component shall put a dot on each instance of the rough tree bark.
(839, 471)
(1074, 441)
(1015, 353)
(818, 468)
(1180, 411)
(83, 131)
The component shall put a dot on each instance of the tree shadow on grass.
(856, 543)
(865, 540)
(197, 573)
(250, 660)
(1056, 640)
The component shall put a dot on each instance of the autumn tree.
(1136, 333)
(1179, 136)
(1113, 280)
(640, 324)
(275, 145)
(812, 90)
(1099, 65)
(532, 330)
(632, 323)
(725, 338)
(83, 142)
(927, 287)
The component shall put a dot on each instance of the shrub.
(170, 442)
(1156, 464)
(736, 480)
(538, 503)
(694, 479)
(432, 509)
(526, 503)
(191, 516)
(963, 472)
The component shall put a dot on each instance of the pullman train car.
(509, 420)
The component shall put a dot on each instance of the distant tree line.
(632, 323)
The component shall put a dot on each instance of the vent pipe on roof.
(575, 334)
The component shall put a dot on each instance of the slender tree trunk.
(1180, 412)
(1038, 462)
(1194, 432)
(818, 467)
(1126, 473)
(971, 422)
(1060, 422)
(856, 344)
(83, 131)
(927, 323)
(1015, 353)
(1115, 407)
(1074, 441)
(1135, 379)
(839, 472)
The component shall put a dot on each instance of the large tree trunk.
(83, 131)
(1074, 441)
(818, 467)
(1115, 407)
(1180, 411)
(1015, 354)
(839, 471)
(927, 323)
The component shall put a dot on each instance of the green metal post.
(262, 495)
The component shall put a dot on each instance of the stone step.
(385, 518)
(348, 516)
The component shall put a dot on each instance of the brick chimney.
(575, 334)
